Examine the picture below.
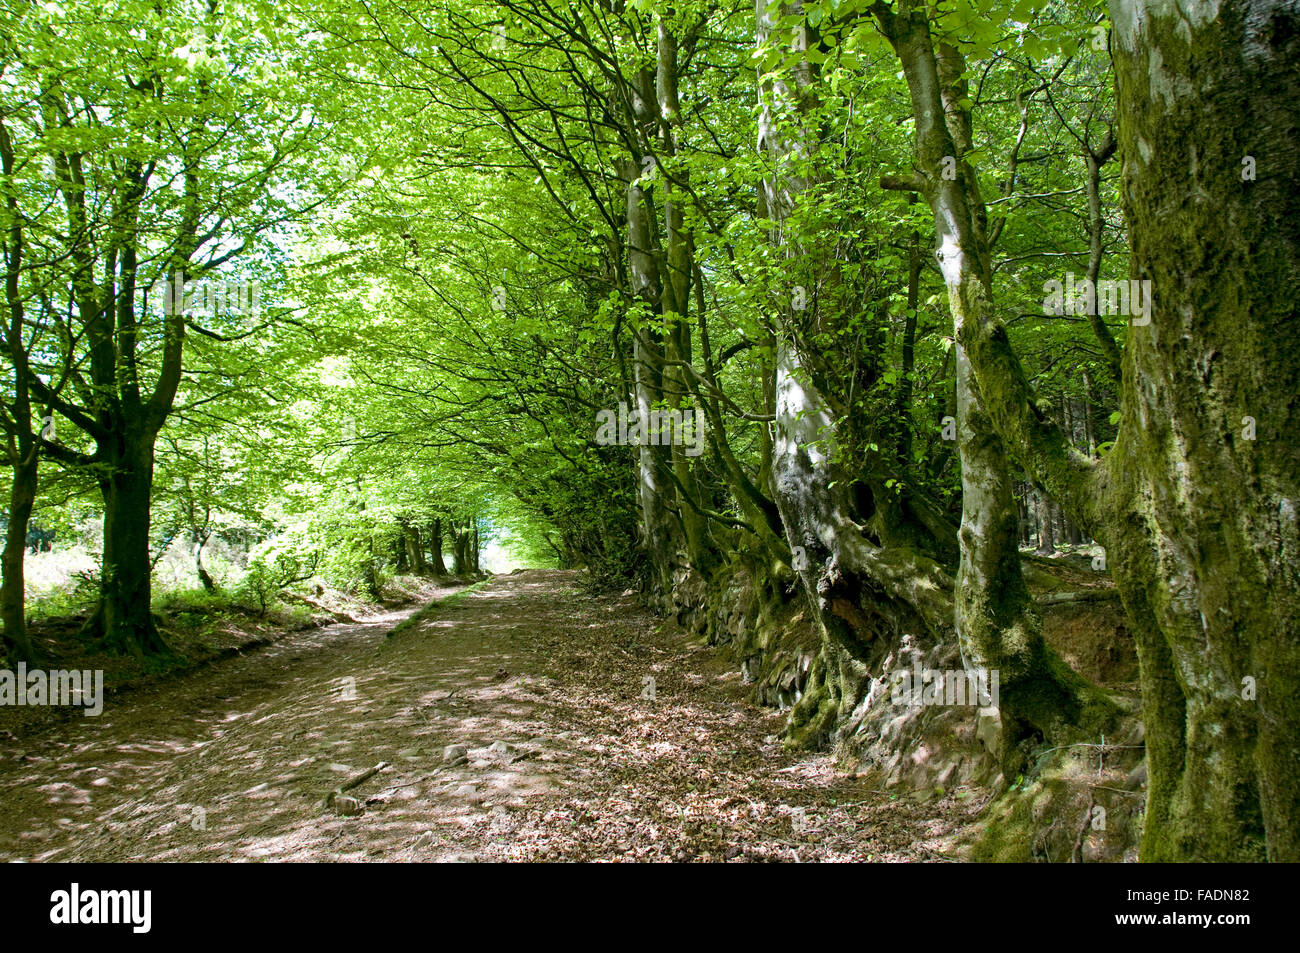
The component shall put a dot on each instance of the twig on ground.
(355, 781)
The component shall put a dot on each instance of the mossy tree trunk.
(998, 625)
(869, 569)
(1197, 503)
(1203, 509)
(414, 549)
(675, 299)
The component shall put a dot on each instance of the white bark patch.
(1130, 18)
(950, 261)
(1166, 86)
(803, 422)
(1144, 150)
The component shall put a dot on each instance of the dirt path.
(544, 686)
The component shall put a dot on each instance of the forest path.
(541, 682)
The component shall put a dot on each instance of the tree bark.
(660, 532)
(1205, 531)
(414, 549)
(675, 300)
(1046, 525)
(200, 539)
(22, 443)
(1200, 515)
(22, 497)
(435, 548)
(124, 617)
(998, 624)
(461, 540)
(858, 590)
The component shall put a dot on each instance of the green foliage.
(435, 202)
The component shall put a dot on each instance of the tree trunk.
(461, 546)
(1046, 526)
(1023, 502)
(22, 442)
(200, 539)
(1089, 434)
(1072, 534)
(1094, 160)
(414, 549)
(124, 617)
(22, 498)
(370, 573)
(998, 624)
(1205, 528)
(860, 589)
(1199, 510)
(659, 539)
(435, 548)
(903, 406)
(675, 301)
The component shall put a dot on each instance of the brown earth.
(568, 755)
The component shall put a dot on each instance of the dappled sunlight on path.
(518, 721)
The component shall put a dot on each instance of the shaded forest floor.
(565, 755)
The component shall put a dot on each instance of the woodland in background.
(833, 230)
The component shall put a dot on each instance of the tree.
(1194, 510)
(164, 171)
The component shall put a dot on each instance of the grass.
(427, 612)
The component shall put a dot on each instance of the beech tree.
(1194, 502)
(163, 171)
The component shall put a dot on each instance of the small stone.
(455, 754)
(500, 749)
(347, 806)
